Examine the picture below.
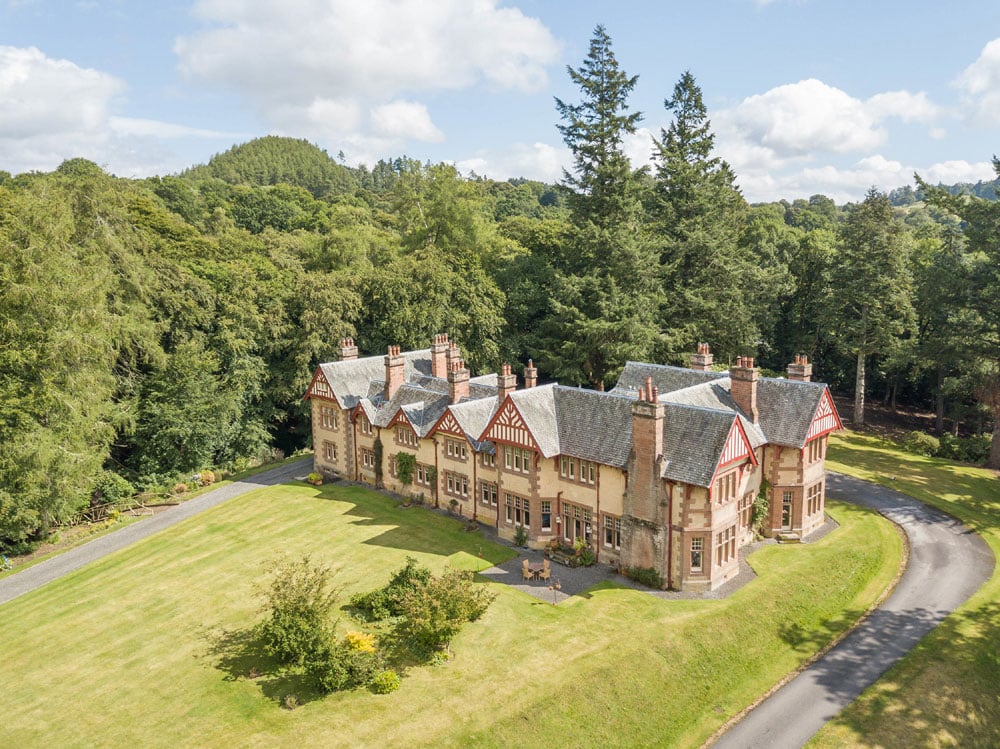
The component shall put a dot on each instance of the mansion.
(660, 472)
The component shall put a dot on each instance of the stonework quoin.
(439, 356)
(506, 383)
(530, 375)
(800, 370)
(458, 381)
(348, 351)
(702, 360)
(394, 376)
(744, 387)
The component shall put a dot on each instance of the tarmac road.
(44, 572)
(948, 562)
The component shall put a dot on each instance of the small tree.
(298, 598)
(436, 609)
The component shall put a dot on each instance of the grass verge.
(126, 651)
(946, 692)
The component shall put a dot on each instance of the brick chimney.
(744, 386)
(506, 383)
(393, 371)
(702, 361)
(458, 380)
(647, 446)
(439, 356)
(800, 370)
(530, 375)
(453, 354)
(348, 351)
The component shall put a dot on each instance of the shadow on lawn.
(239, 654)
(944, 693)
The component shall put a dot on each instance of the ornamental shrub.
(207, 477)
(112, 488)
(385, 682)
(384, 602)
(921, 443)
(434, 610)
(335, 667)
(179, 488)
(360, 641)
(647, 576)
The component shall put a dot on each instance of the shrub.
(520, 537)
(360, 641)
(111, 488)
(921, 443)
(298, 599)
(207, 477)
(972, 449)
(385, 682)
(335, 667)
(435, 610)
(647, 576)
(179, 488)
(587, 556)
(385, 602)
(315, 478)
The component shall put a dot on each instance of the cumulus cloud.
(906, 106)
(540, 161)
(52, 109)
(980, 83)
(405, 119)
(285, 56)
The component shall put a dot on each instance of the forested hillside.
(151, 328)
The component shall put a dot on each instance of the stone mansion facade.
(659, 472)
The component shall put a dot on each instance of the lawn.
(946, 692)
(124, 651)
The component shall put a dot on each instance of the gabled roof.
(537, 408)
(666, 378)
(348, 379)
(787, 408)
(693, 440)
(594, 426)
(472, 416)
(716, 394)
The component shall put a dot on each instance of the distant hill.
(272, 159)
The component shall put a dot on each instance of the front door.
(786, 511)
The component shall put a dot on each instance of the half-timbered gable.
(509, 427)
(826, 419)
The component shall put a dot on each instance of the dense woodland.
(151, 328)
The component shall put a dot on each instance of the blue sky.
(804, 96)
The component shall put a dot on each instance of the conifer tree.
(605, 292)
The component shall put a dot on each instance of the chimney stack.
(647, 444)
(530, 375)
(506, 383)
(458, 381)
(439, 356)
(393, 371)
(348, 351)
(453, 354)
(800, 370)
(702, 361)
(744, 386)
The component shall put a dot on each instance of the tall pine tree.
(605, 291)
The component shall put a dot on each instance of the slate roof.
(538, 408)
(473, 416)
(787, 408)
(594, 426)
(666, 378)
(693, 440)
(349, 379)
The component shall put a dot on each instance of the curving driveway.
(948, 562)
(45, 572)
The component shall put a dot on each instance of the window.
(422, 474)
(329, 452)
(588, 471)
(815, 450)
(786, 510)
(745, 509)
(814, 498)
(518, 510)
(696, 548)
(546, 515)
(612, 532)
(725, 546)
(366, 426)
(488, 493)
(329, 418)
(455, 449)
(577, 470)
(567, 467)
(456, 484)
(367, 458)
(517, 459)
(489, 460)
(725, 487)
(405, 436)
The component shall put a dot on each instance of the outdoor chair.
(546, 573)
(525, 572)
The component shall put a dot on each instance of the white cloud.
(405, 119)
(52, 109)
(310, 67)
(906, 106)
(981, 84)
(540, 161)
